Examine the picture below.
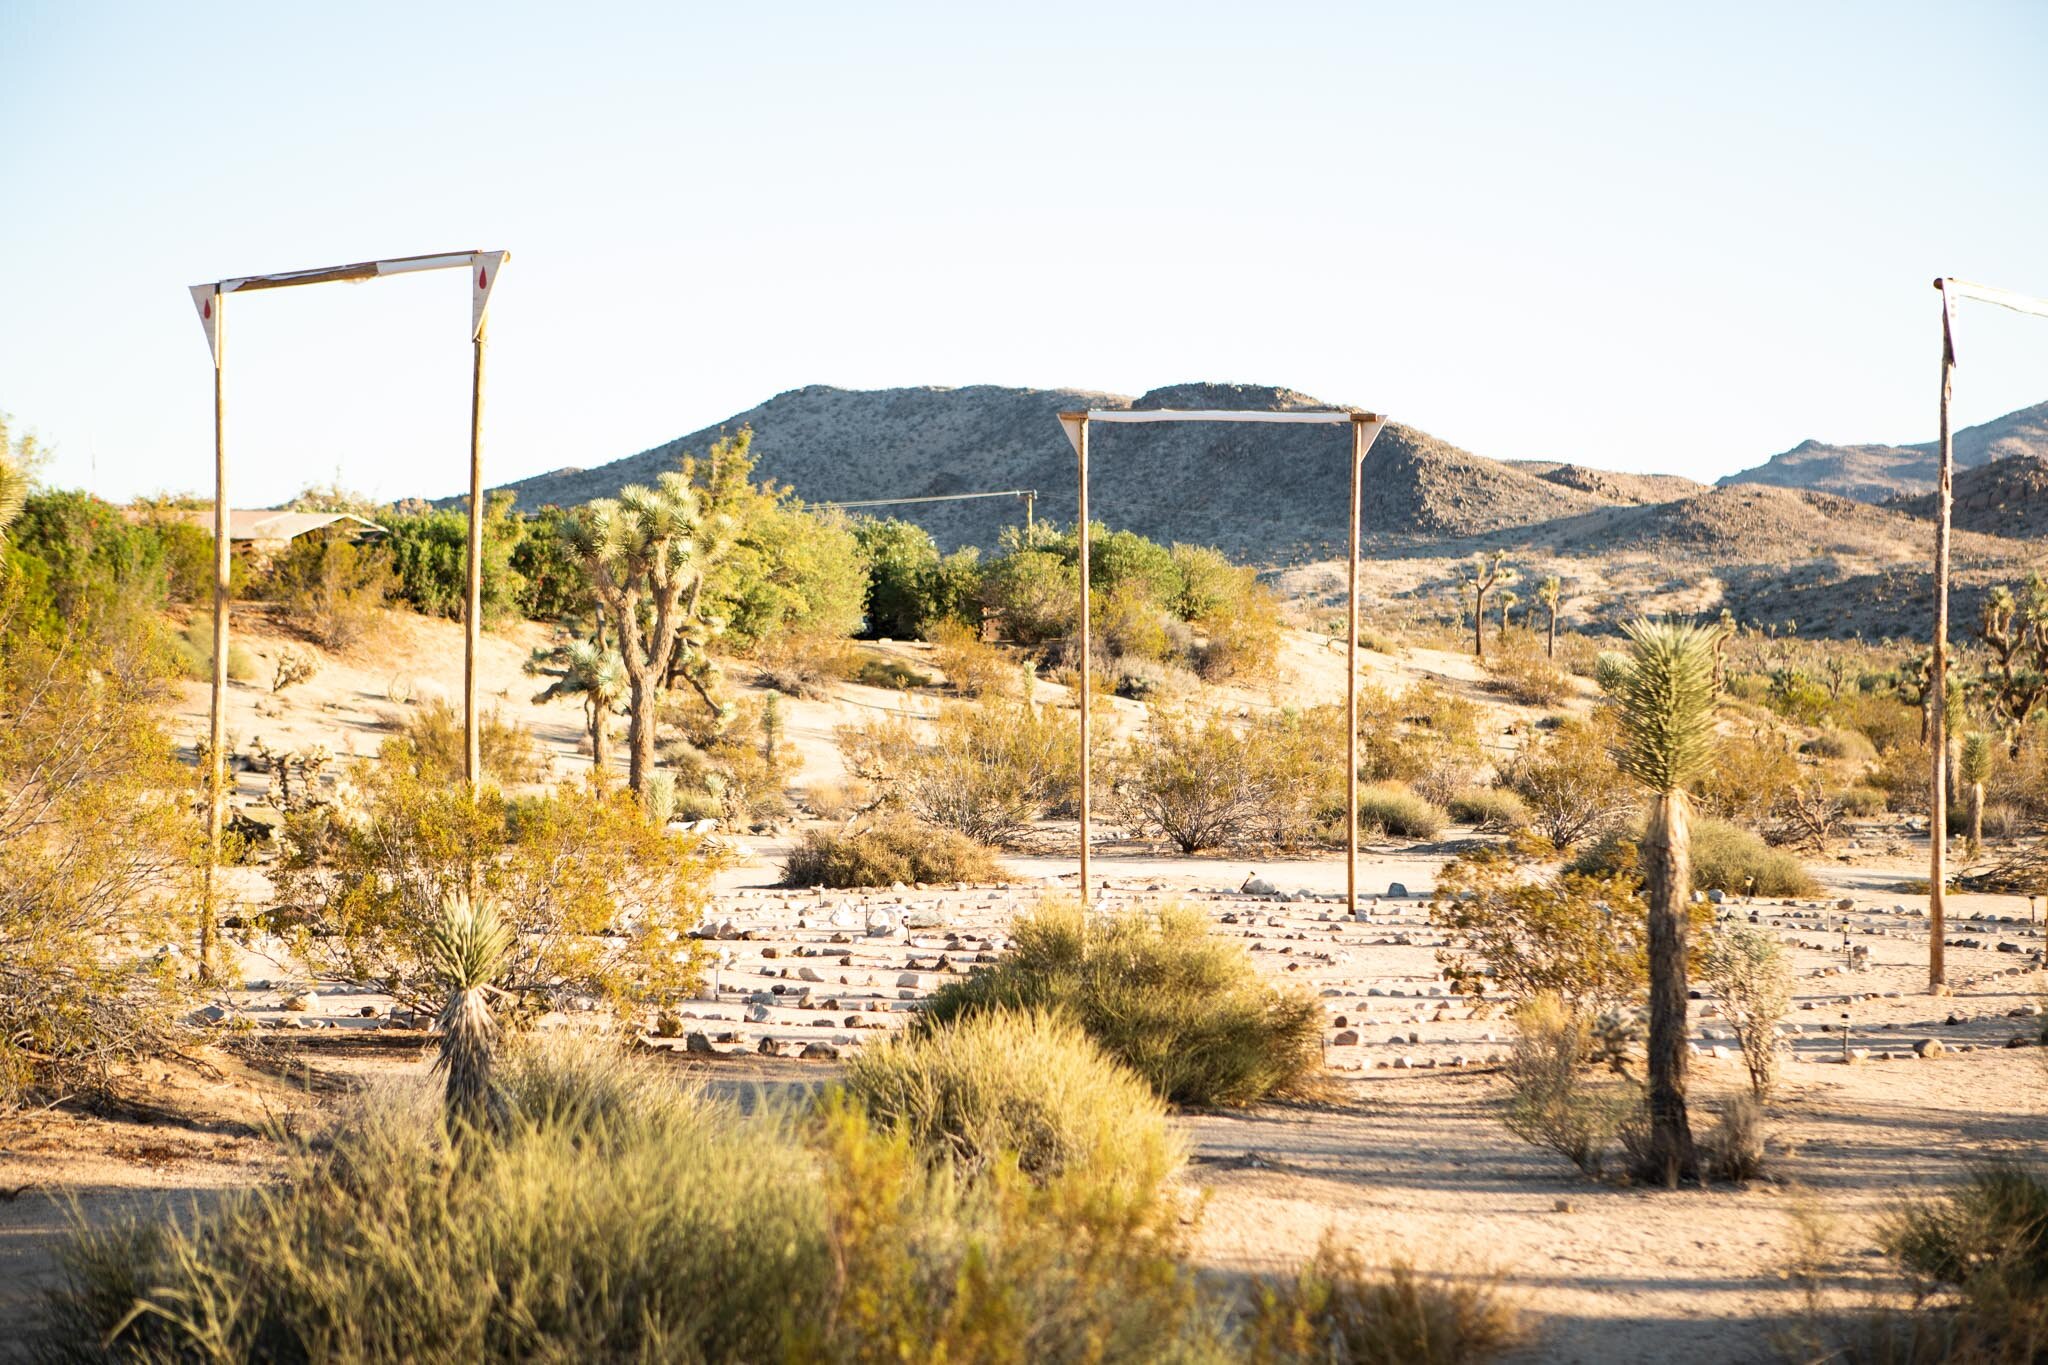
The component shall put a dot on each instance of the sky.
(1646, 237)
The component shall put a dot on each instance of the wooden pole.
(1087, 648)
(223, 568)
(473, 608)
(1937, 674)
(1351, 680)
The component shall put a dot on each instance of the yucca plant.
(1663, 690)
(468, 948)
(585, 669)
(1973, 772)
(13, 487)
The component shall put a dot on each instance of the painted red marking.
(481, 281)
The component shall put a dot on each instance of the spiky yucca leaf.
(468, 948)
(1976, 764)
(1664, 690)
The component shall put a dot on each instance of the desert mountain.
(1264, 493)
(1877, 473)
(2008, 497)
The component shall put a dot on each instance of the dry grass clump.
(622, 1216)
(1493, 809)
(1338, 1309)
(898, 850)
(1518, 670)
(1023, 1085)
(1189, 1013)
(1394, 808)
(435, 734)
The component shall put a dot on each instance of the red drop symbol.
(206, 309)
(481, 281)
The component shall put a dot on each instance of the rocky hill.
(1878, 473)
(2007, 497)
(1264, 493)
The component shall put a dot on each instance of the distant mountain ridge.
(1879, 473)
(1263, 493)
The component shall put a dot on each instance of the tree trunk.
(640, 739)
(1667, 886)
(1479, 624)
(600, 740)
(1976, 816)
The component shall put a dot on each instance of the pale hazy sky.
(1674, 238)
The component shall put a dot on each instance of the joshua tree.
(468, 947)
(646, 552)
(1482, 576)
(2015, 629)
(1550, 592)
(1508, 602)
(1974, 770)
(1663, 689)
(584, 668)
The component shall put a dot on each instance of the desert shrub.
(1489, 808)
(1519, 670)
(429, 558)
(294, 666)
(622, 1217)
(97, 843)
(1568, 780)
(1554, 1100)
(1393, 808)
(987, 771)
(433, 735)
(192, 648)
(1240, 638)
(330, 588)
(1030, 1087)
(782, 568)
(1984, 1247)
(1901, 774)
(804, 664)
(1749, 970)
(1839, 744)
(1127, 622)
(1194, 778)
(1188, 1012)
(1336, 1308)
(549, 578)
(1578, 654)
(1035, 594)
(1579, 937)
(837, 801)
(1860, 803)
(597, 896)
(79, 560)
(1724, 858)
(974, 668)
(911, 587)
(893, 851)
(741, 756)
(892, 674)
(1733, 1149)
(1749, 777)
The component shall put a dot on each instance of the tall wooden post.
(473, 612)
(1937, 671)
(223, 569)
(1087, 650)
(1358, 423)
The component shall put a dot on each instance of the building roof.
(267, 524)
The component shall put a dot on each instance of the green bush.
(1027, 1086)
(885, 854)
(434, 738)
(1392, 808)
(911, 587)
(1724, 857)
(987, 770)
(1984, 1246)
(1188, 1012)
(192, 648)
(330, 588)
(429, 554)
(892, 674)
(624, 1217)
(1489, 808)
(1337, 1309)
(1860, 803)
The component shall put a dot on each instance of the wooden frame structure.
(210, 299)
(1365, 429)
(1951, 289)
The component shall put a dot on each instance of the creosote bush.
(1749, 970)
(1393, 808)
(1580, 937)
(896, 850)
(433, 733)
(1188, 1012)
(986, 771)
(1021, 1085)
(1494, 809)
(1555, 1100)
(1724, 858)
(1982, 1251)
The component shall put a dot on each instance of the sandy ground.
(1406, 1156)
